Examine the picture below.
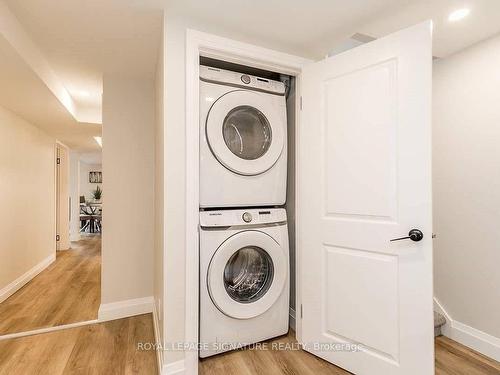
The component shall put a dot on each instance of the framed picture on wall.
(95, 177)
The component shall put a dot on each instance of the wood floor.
(67, 291)
(111, 348)
(114, 348)
(451, 359)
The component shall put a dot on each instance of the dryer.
(243, 140)
(244, 278)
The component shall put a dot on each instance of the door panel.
(360, 127)
(364, 179)
(63, 204)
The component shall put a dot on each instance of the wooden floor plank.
(68, 291)
(451, 359)
(109, 348)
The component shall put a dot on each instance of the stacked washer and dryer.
(244, 255)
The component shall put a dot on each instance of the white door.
(364, 179)
(63, 210)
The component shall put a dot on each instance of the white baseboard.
(125, 309)
(438, 307)
(177, 368)
(47, 330)
(21, 281)
(291, 321)
(471, 337)
(158, 342)
(475, 339)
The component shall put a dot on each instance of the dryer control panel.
(250, 216)
(226, 77)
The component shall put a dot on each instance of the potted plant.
(97, 193)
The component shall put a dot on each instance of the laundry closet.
(247, 205)
(345, 248)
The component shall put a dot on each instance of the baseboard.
(291, 321)
(159, 344)
(177, 368)
(446, 328)
(473, 338)
(21, 281)
(125, 309)
(47, 330)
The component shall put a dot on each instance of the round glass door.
(248, 274)
(247, 132)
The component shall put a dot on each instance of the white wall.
(27, 196)
(87, 188)
(174, 187)
(128, 188)
(466, 165)
(158, 288)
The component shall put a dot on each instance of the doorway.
(425, 306)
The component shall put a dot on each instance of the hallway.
(67, 291)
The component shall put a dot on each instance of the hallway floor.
(451, 359)
(67, 291)
(110, 348)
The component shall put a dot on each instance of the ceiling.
(83, 40)
(313, 28)
(93, 158)
(25, 94)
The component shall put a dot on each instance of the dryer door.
(247, 274)
(246, 131)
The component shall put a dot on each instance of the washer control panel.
(251, 216)
(226, 77)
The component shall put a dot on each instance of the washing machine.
(243, 140)
(244, 278)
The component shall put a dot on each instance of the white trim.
(125, 309)
(473, 338)
(48, 329)
(177, 368)
(110, 311)
(159, 344)
(291, 322)
(199, 43)
(438, 307)
(25, 278)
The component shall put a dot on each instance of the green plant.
(97, 193)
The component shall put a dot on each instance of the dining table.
(94, 212)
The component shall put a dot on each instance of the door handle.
(414, 235)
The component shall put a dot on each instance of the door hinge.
(301, 313)
(58, 160)
(58, 237)
(301, 103)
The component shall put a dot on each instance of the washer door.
(245, 132)
(247, 274)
